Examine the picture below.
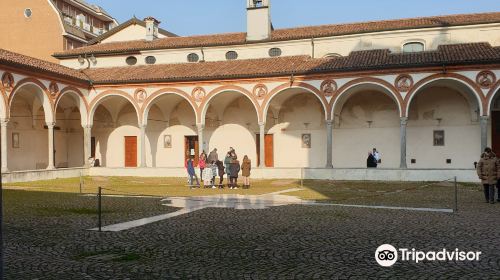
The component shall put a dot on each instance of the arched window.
(231, 55)
(332, 55)
(413, 47)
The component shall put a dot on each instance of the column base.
(50, 168)
(329, 166)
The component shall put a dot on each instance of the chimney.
(259, 25)
(151, 28)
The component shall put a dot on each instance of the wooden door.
(190, 145)
(268, 149)
(495, 131)
(130, 151)
(92, 147)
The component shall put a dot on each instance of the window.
(150, 60)
(275, 52)
(192, 57)
(231, 55)
(28, 13)
(131, 60)
(413, 47)
(332, 55)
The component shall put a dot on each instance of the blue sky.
(189, 17)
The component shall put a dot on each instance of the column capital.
(262, 123)
(403, 120)
(143, 126)
(87, 126)
(50, 124)
(329, 122)
(200, 126)
(484, 118)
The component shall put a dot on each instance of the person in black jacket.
(234, 169)
(220, 167)
(371, 162)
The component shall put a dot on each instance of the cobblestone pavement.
(45, 238)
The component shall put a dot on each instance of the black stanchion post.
(81, 183)
(456, 194)
(99, 208)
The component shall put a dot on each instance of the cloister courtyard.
(330, 230)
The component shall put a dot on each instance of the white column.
(262, 134)
(87, 146)
(50, 128)
(3, 144)
(404, 122)
(329, 143)
(484, 132)
(200, 128)
(143, 145)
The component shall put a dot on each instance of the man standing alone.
(487, 170)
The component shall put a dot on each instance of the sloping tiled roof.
(287, 34)
(132, 21)
(35, 65)
(460, 54)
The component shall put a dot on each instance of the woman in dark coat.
(234, 169)
(371, 162)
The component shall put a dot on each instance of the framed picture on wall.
(438, 137)
(167, 141)
(306, 141)
(15, 140)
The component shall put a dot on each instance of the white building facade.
(306, 102)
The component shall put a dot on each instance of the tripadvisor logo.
(387, 255)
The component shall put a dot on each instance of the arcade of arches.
(438, 123)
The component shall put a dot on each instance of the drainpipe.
(312, 48)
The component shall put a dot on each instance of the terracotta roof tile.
(288, 34)
(40, 66)
(299, 65)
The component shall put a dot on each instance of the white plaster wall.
(300, 114)
(354, 137)
(462, 134)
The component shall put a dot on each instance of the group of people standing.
(210, 167)
(488, 170)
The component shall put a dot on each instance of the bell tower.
(259, 25)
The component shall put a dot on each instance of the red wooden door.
(130, 151)
(268, 149)
(495, 131)
(191, 144)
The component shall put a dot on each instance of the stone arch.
(3, 104)
(150, 101)
(107, 94)
(380, 85)
(282, 88)
(83, 106)
(492, 94)
(46, 100)
(473, 87)
(202, 110)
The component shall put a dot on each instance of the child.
(207, 176)
(214, 173)
(220, 166)
(191, 172)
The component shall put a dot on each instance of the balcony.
(80, 24)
